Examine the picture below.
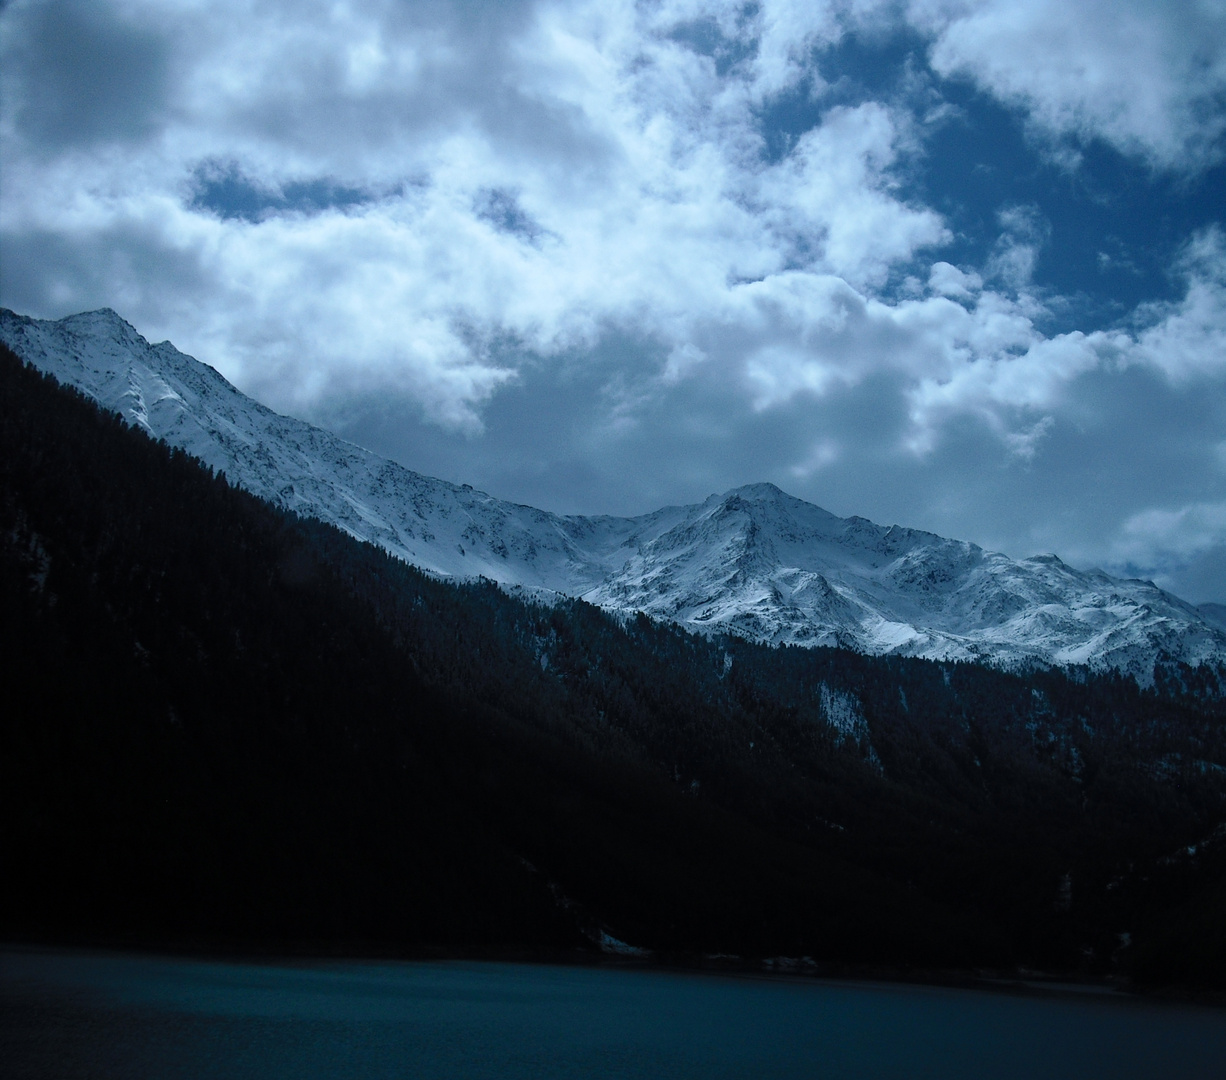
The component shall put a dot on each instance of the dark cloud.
(81, 74)
(130, 267)
(1202, 579)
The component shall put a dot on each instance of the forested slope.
(230, 726)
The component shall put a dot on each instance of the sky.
(949, 264)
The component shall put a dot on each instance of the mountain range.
(234, 727)
(754, 561)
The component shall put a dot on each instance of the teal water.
(69, 1015)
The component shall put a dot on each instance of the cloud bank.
(562, 250)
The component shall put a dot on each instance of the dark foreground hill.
(228, 726)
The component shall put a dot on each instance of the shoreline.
(1022, 982)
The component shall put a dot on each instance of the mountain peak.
(107, 318)
(761, 491)
(1047, 558)
(768, 494)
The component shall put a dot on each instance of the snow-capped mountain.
(753, 561)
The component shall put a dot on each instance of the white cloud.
(823, 453)
(1000, 369)
(947, 280)
(1148, 77)
(995, 363)
(640, 166)
(832, 193)
(1188, 338)
(1023, 233)
(1156, 537)
(568, 195)
(1025, 444)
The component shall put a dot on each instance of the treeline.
(228, 725)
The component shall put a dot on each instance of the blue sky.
(958, 265)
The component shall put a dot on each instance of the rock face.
(753, 561)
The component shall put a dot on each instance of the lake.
(78, 1014)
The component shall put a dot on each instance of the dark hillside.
(227, 725)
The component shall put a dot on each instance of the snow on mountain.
(771, 567)
(449, 530)
(753, 561)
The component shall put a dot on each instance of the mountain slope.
(230, 726)
(774, 568)
(754, 561)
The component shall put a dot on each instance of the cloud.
(996, 363)
(1188, 338)
(1174, 534)
(1023, 233)
(947, 280)
(376, 195)
(1147, 77)
(556, 247)
(75, 77)
(1184, 549)
(831, 198)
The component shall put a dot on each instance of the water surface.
(68, 1015)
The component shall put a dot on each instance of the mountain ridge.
(753, 561)
(239, 728)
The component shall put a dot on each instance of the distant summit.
(753, 561)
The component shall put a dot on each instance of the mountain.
(753, 561)
(231, 727)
